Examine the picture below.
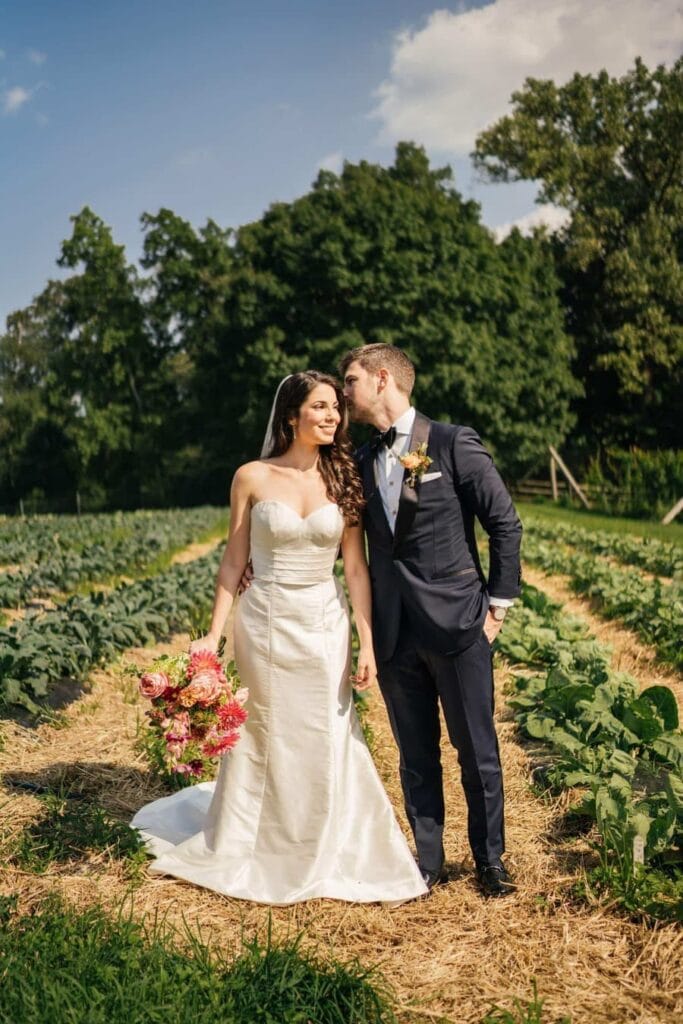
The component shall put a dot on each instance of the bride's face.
(319, 416)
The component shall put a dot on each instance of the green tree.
(108, 365)
(609, 150)
(396, 255)
(37, 456)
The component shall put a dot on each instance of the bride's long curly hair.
(337, 465)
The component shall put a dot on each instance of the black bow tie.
(385, 440)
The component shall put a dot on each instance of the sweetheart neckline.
(276, 501)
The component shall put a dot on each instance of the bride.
(297, 811)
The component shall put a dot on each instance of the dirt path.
(453, 954)
(630, 654)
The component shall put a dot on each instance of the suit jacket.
(429, 570)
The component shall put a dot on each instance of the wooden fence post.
(570, 479)
(673, 512)
(553, 478)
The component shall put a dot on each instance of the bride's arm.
(358, 582)
(234, 561)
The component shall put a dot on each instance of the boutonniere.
(416, 462)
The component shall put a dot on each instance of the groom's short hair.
(379, 356)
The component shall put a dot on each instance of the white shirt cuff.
(501, 602)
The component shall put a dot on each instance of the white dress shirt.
(390, 477)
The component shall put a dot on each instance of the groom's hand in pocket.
(492, 627)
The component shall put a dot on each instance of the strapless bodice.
(289, 548)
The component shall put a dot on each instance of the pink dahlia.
(201, 661)
(153, 684)
(193, 768)
(217, 745)
(231, 715)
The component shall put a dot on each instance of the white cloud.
(36, 57)
(455, 76)
(13, 99)
(553, 217)
(332, 162)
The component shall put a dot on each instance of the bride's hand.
(205, 643)
(366, 670)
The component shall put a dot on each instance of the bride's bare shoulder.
(251, 472)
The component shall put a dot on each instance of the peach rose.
(153, 684)
(204, 688)
(411, 461)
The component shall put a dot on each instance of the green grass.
(70, 829)
(65, 967)
(527, 1012)
(673, 533)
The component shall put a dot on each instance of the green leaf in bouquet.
(663, 699)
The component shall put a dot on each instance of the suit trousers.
(413, 683)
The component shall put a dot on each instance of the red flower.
(202, 660)
(231, 715)
(218, 745)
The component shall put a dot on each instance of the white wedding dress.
(297, 811)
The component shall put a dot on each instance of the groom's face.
(361, 392)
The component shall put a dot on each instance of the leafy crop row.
(654, 556)
(42, 649)
(654, 610)
(28, 540)
(129, 546)
(621, 745)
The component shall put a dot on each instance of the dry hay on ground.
(453, 954)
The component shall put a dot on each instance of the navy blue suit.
(430, 600)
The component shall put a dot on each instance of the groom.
(434, 613)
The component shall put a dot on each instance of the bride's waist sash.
(288, 568)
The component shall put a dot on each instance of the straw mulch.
(449, 957)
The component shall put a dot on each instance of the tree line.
(148, 385)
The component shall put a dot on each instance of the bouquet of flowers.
(196, 714)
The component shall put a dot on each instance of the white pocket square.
(430, 476)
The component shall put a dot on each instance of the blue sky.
(217, 108)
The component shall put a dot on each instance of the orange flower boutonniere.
(417, 463)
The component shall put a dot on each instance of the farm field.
(568, 658)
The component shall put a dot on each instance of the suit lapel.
(373, 498)
(408, 502)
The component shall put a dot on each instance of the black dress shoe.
(494, 880)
